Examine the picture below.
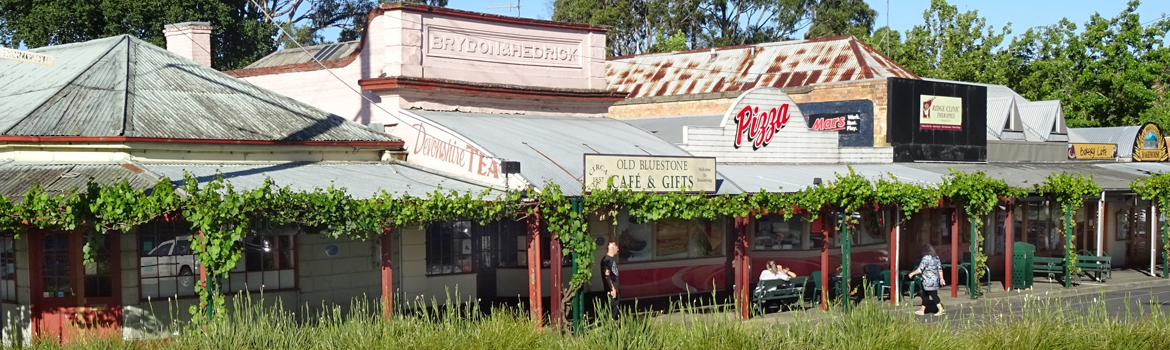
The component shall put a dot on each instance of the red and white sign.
(759, 127)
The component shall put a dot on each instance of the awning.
(359, 179)
(552, 149)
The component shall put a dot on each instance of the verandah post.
(558, 306)
(1069, 257)
(1009, 252)
(955, 252)
(534, 260)
(387, 242)
(895, 291)
(846, 261)
(972, 275)
(826, 230)
(579, 296)
(1165, 232)
(742, 268)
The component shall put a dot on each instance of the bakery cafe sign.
(1150, 146)
(649, 173)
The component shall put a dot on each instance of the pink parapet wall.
(552, 68)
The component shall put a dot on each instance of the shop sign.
(941, 113)
(757, 127)
(458, 43)
(650, 173)
(845, 123)
(1150, 146)
(1092, 151)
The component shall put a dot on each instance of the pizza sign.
(759, 127)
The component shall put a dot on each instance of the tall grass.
(1033, 324)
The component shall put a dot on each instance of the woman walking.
(931, 270)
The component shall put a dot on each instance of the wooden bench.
(1100, 265)
(1049, 266)
(768, 290)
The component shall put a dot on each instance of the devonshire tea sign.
(941, 113)
(650, 173)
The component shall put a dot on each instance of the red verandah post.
(895, 292)
(387, 273)
(826, 230)
(534, 292)
(554, 257)
(742, 268)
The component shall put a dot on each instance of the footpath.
(1042, 288)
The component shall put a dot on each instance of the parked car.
(170, 258)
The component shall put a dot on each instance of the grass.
(1034, 324)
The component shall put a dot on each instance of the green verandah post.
(972, 275)
(579, 297)
(846, 261)
(1069, 259)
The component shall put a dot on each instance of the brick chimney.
(191, 40)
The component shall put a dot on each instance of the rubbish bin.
(1022, 254)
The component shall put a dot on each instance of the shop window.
(669, 239)
(7, 268)
(449, 248)
(268, 263)
(775, 233)
(873, 228)
(167, 266)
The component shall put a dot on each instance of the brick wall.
(873, 90)
(355, 272)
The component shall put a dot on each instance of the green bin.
(1022, 254)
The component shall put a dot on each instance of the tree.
(304, 19)
(637, 25)
(1114, 73)
(841, 17)
(949, 45)
(239, 38)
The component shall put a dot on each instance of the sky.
(905, 14)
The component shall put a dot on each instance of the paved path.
(1117, 304)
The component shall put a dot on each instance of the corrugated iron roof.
(1122, 136)
(55, 179)
(123, 86)
(324, 52)
(1027, 175)
(1039, 119)
(671, 128)
(359, 179)
(739, 68)
(552, 149)
(794, 177)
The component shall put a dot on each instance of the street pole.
(1165, 253)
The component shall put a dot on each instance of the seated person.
(777, 272)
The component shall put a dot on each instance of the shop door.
(486, 259)
(1138, 246)
(69, 296)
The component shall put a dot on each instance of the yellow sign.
(1092, 151)
(25, 56)
(1149, 146)
(650, 173)
(940, 113)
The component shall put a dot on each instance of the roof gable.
(123, 86)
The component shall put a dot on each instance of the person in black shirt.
(609, 276)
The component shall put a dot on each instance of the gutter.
(115, 139)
